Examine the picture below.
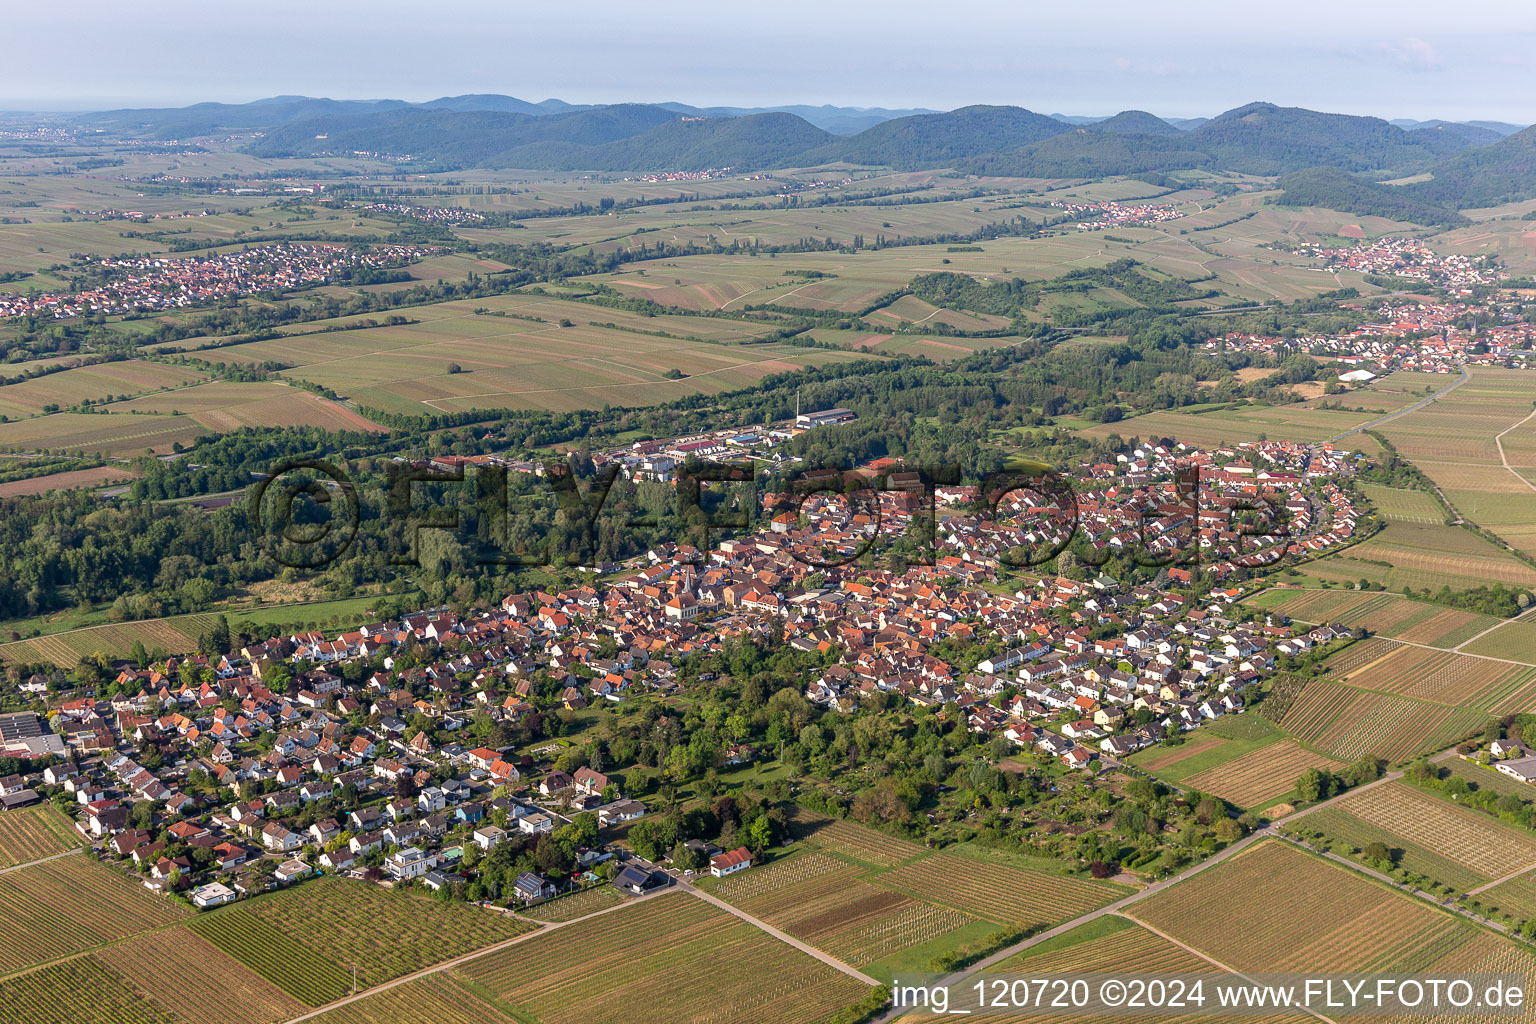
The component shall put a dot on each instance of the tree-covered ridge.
(1152, 290)
(1259, 138)
(938, 140)
(1339, 190)
(1487, 176)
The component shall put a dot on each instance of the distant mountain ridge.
(1469, 164)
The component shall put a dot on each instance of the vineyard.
(33, 833)
(306, 940)
(177, 635)
(658, 962)
(277, 957)
(1359, 654)
(1479, 843)
(778, 875)
(1130, 951)
(159, 969)
(1334, 920)
(1348, 723)
(1510, 693)
(1000, 892)
(436, 998)
(1379, 612)
(1314, 709)
(79, 991)
(1516, 896)
(1337, 823)
(1260, 776)
(1429, 675)
(70, 904)
(862, 843)
(579, 904)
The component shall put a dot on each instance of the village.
(1107, 214)
(1408, 259)
(1426, 337)
(389, 751)
(134, 284)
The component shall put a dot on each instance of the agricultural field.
(1513, 640)
(1517, 896)
(1401, 505)
(1260, 777)
(1214, 745)
(1359, 654)
(177, 634)
(93, 383)
(849, 918)
(436, 998)
(1000, 891)
(306, 940)
(83, 991)
(1107, 946)
(69, 480)
(99, 434)
(657, 962)
(1457, 441)
(1386, 614)
(1477, 842)
(1427, 674)
(527, 351)
(853, 840)
(71, 904)
(1232, 426)
(158, 971)
(32, 833)
(1338, 824)
(1430, 556)
(1349, 723)
(1334, 920)
(224, 406)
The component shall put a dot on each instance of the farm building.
(722, 864)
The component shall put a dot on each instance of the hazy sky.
(1413, 58)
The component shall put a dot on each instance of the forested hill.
(1339, 190)
(459, 137)
(1259, 138)
(1487, 176)
(1134, 122)
(617, 138)
(1470, 166)
(936, 140)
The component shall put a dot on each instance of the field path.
(1500, 881)
(830, 961)
(1490, 629)
(1498, 439)
(1415, 407)
(40, 860)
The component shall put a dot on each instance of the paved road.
(1415, 407)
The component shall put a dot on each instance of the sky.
(1413, 58)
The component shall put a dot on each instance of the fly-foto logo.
(309, 513)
